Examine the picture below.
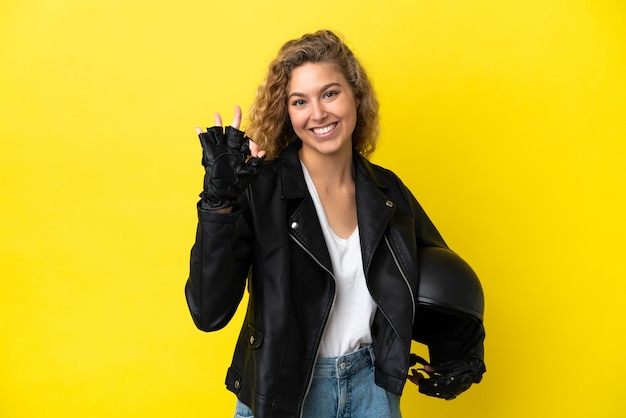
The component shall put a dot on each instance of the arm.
(449, 312)
(222, 253)
(426, 233)
(220, 260)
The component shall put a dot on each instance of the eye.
(298, 102)
(330, 94)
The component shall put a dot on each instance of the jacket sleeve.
(425, 231)
(219, 265)
(447, 335)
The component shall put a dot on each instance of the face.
(322, 108)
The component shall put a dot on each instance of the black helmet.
(448, 284)
(450, 306)
(449, 320)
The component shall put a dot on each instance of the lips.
(324, 130)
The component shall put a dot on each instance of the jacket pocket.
(242, 376)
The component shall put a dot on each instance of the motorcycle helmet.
(449, 308)
(449, 320)
(448, 284)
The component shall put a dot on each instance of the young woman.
(331, 247)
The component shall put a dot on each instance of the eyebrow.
(323, 88)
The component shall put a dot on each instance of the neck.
(329, 170)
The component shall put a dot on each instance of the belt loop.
(370, 348)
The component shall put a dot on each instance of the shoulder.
(389, 184)
(383, 177)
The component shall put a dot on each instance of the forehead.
(315, 75)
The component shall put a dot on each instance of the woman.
(329, 245)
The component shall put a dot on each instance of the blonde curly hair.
(268, 119)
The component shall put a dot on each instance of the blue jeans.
(343, 387)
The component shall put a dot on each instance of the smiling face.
(322, 109)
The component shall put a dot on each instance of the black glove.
(451, 378)
(229, 168)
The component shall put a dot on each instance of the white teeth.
(325, 130)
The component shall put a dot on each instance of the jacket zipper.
(404, 277)
(406, 280)
(306, 393)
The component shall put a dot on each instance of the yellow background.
(506, 118)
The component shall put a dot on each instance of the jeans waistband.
(345, 365)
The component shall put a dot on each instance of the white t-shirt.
(349, 325)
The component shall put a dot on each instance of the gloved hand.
(449, 379)
(229, 168)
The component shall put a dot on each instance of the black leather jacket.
(274, 241)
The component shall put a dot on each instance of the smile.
(324, 130)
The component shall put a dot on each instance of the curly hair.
(268, 119)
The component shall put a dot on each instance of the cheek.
(352, 114)
(295, 120)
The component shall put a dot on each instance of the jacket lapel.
(374, 209)
(304, 225)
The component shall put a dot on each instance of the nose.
(318, 112)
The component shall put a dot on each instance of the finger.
(198, 130)
(254, 150)
(218, 119)
(414, 377)
(237, 119)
